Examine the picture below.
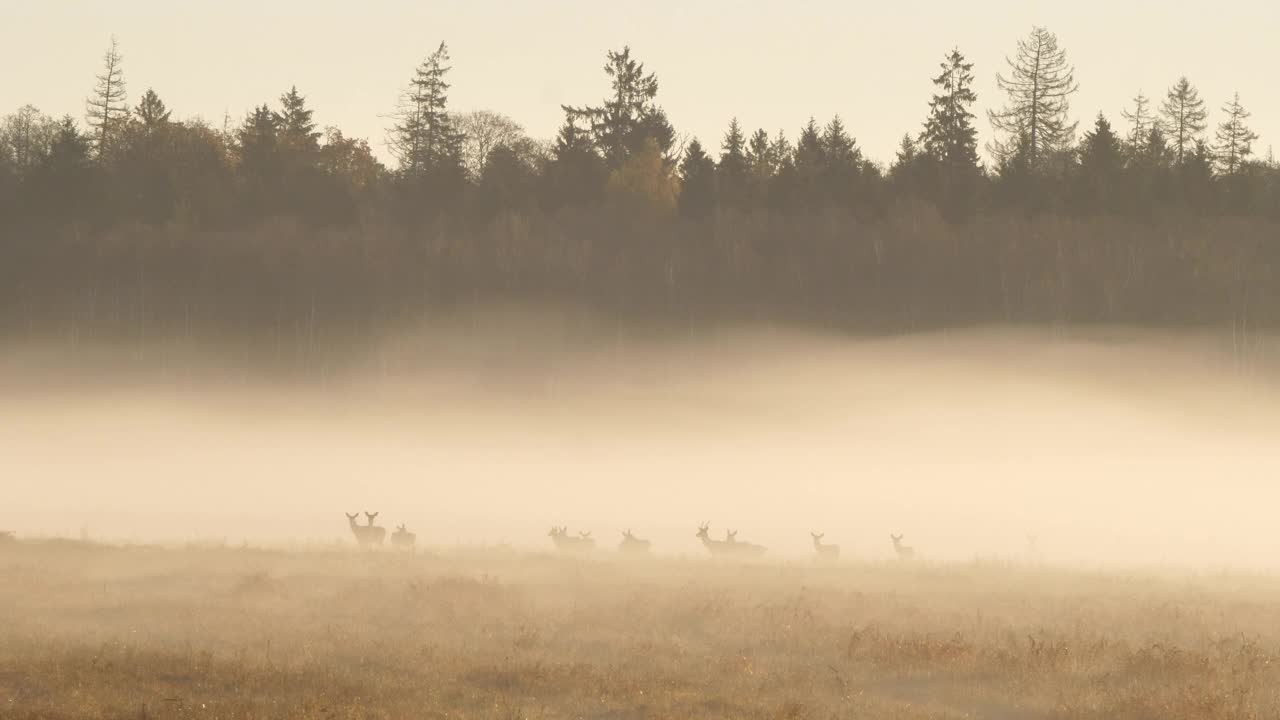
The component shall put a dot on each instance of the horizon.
(516, 72)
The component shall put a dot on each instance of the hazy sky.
(770, 64)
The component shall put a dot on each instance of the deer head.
(585, 535)
(818, 536)
(703, 531)
(895, 538)
(371, 516)
(731, 535)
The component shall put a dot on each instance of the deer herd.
(370, 535)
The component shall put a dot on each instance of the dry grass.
(105, 632)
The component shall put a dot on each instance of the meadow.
(93, 630)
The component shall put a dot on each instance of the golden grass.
(89, 631)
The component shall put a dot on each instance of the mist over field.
(1111, 447)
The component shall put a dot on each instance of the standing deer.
(565, 542)
(742, 549)
(633, 545)
(361, 532)
(825, 552)
(904, 552)
(376, 534)
(402, 538)
(715, 547)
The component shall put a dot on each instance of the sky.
(771, 65)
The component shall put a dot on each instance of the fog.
(1110, 447)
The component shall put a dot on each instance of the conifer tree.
(1101, 164)
(297, 129)
(106, 108)
(630, 116)
(423, 138)
(1035, 120)
(1235, 139)
(732, 170)
(1141, 121)
(697, 182)
(151, 111)
(1184, 117)
(949, 138)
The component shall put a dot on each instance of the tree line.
(622, 209)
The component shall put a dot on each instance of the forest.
(133, 221)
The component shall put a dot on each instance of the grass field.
(94, 631)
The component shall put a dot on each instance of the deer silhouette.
(565, 542)
(403, 539)
(632, 544)
(376, 534)
(825, 552)
(361, 532)
(730, 546)
(904, 552)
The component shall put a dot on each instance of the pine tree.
(106, 107)
(1141, 122)
(697, 182)
(732, 171)
(1035, 120)
(297, 129)
(258, 146)
(1235, 139)
(1184, 116)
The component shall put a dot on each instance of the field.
(98, 631)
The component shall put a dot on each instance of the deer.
(402, 538)
(904, 552)
(565, 542)
(742, 549)
(715, 547)
(632, 544)
(376, 534)
(361, 532)
(825, 552)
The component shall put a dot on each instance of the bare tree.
(484, 131)
(26, 136)
(1039, 85)
(1141, 121)
(106, 106)
(1235, 139)
(1184, 116)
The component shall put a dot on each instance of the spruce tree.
(1184, 117)
(1101, 164)
(1035, 120)
(630, 116)
(697, 182)
(732, 171)
(297, 129)
(949, 138)
(151, 111)
(423, 138)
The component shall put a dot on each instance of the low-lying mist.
(1109, 447)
